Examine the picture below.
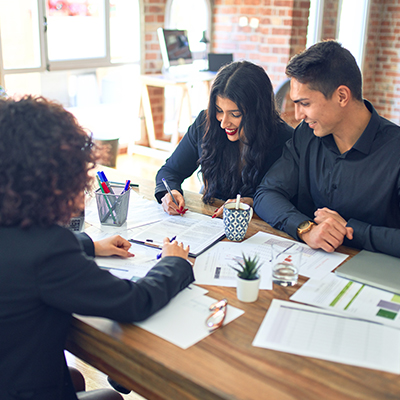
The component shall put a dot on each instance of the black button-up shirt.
(362, 184)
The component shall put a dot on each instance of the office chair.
(280, 93)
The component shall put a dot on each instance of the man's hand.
(174, 249)
(330, 231)
(113, 246)
(170, 207)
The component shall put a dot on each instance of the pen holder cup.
(112, 208)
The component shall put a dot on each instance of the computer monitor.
(174, 46)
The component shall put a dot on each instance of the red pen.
(105, 187)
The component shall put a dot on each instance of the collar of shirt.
(364, 143)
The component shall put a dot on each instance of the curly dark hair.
(45, 156)
(239, 165)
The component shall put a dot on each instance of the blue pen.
(127, 186)
(160, 254)
(103, 175)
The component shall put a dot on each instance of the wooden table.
(225, 365)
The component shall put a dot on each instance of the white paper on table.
(131, 268)
(312, 332)
(352, 299)
(193, 229)
(314, 263)
(183, 320)
(213, 266)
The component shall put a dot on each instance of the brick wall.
(154, 13)
(382, 60)
(330, 18)
(281, 32)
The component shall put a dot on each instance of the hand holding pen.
(159, 255)
(173, 248)
(173, 202)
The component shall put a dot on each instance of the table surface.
(224, 365)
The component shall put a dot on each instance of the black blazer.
(44, 278)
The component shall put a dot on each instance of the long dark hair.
(45, 156)
(237, 167)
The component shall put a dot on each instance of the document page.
(312, 332)
(352, 299)
(314, 263)
(214, 266)
(183, 320)
(196, 230)
(131, 268)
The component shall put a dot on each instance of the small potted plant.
(248, 278)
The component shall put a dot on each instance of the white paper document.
(131, 268)
(314, 263)
(183, 320)
(352, 299)
(195, 230)
(313, 332)
(214, 266)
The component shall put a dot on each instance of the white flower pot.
(247, 291)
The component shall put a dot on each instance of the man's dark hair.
(324, 67)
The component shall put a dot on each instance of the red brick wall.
(330, 17)
(281, 32)
(382, 59)
(154, 13)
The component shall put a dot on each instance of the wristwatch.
(304, 227)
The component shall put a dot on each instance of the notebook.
(374, 269)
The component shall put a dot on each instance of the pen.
(169, 191)
(105, 180)
(105, 197)
(121, 183)
(152, 245)
(127, 186)
(160, 254)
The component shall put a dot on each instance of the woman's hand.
(170, 207)
(113, 246)
(174, 249)
(219, 211)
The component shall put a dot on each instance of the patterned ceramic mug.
(236, 221)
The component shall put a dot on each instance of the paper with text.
(352, 299)
(312, 332)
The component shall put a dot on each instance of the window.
(353, 15)
(194, 16)
(83, 53)
(315, 19)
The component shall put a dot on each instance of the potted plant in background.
(248, 278)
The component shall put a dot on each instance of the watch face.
(304, 225)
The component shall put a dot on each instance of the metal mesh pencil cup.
(112, 208)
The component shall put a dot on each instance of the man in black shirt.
(338, 180)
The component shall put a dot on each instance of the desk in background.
(224, 365)
(161, 80)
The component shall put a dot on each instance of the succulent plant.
(248, 268)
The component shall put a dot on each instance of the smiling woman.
(234, 141)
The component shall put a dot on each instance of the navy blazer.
(44, 278)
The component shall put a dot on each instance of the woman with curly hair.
(235, 141)
(45, 275)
